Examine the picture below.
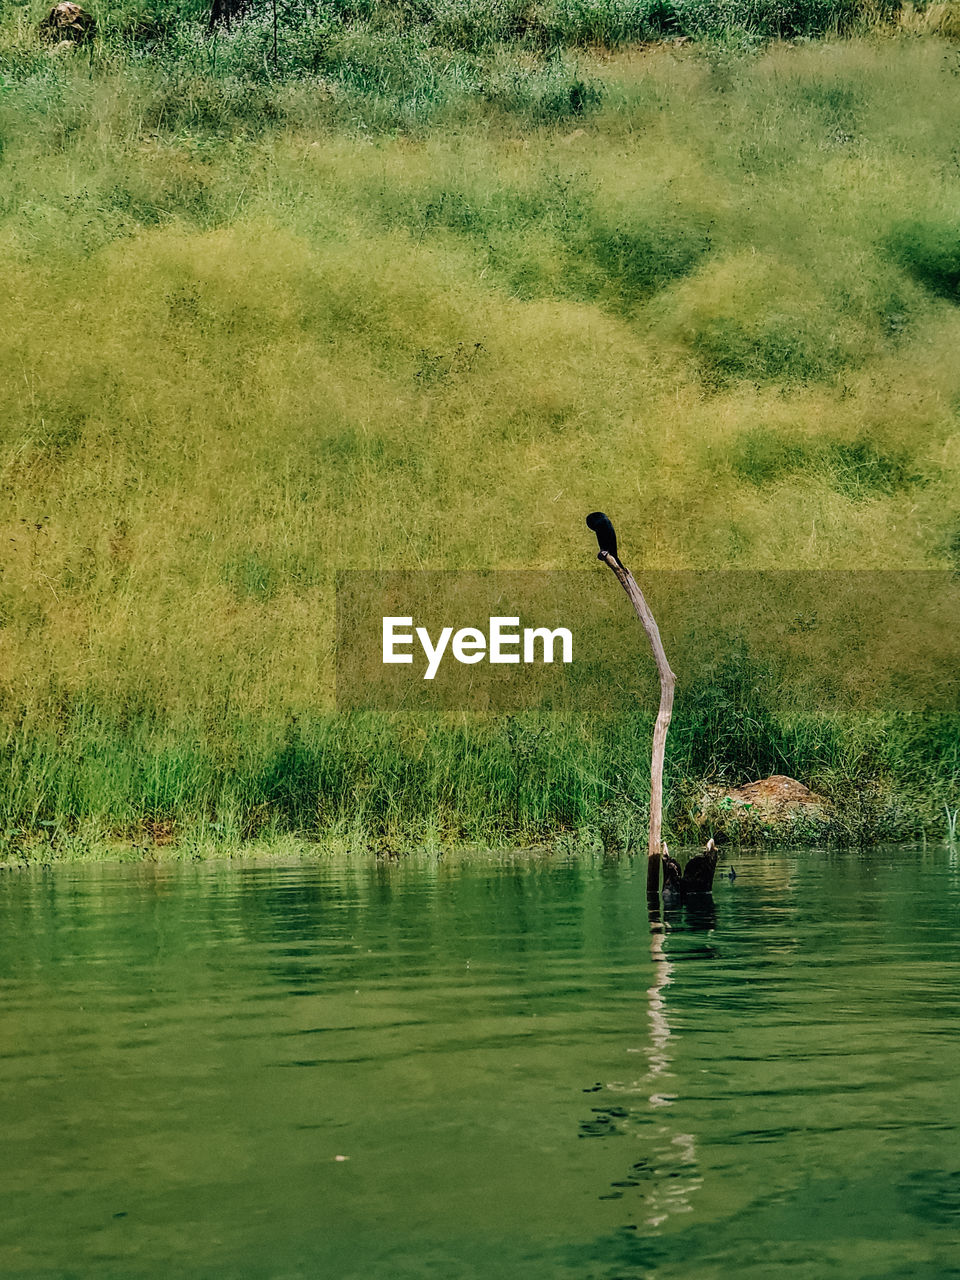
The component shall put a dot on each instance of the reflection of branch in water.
(659, 1026)
(666, 1175)
(674, 1153)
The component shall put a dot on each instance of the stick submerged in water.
(607, 540)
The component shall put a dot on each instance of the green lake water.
(481, 1070)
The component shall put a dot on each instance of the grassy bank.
(367, 784)
(425, 302)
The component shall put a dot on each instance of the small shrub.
(868, 812)
(930, 252)
(776, 348)
(858, 469)
(647, 250)
(547, 95)
(762, 456)
(862, 469)
(606, 23)
(476, 24)
(770, 19)
(757, 319)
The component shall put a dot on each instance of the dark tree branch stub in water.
(607, 539)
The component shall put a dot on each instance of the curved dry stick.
(667, 683)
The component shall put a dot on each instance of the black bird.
(696, 877)
(606, 535)
(698, 873)
(672, 875)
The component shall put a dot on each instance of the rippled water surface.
(481, 1071)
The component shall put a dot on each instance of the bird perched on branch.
(606, 535)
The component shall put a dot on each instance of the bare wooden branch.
(667, 684)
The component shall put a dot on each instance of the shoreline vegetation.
(371, 785)
(418, 285)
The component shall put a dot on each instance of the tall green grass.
(369, 783)
(403, 64)
(260, 326)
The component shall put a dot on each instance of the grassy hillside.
(263, 321)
